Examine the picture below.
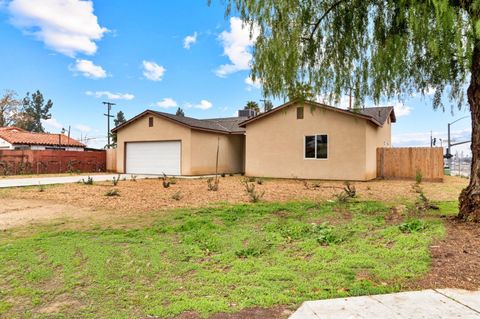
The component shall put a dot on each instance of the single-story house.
(14, 138)
(295, 140)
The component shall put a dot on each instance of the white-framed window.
(316, 146)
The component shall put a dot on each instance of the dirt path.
(20, 212)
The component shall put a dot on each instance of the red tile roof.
(15, 135)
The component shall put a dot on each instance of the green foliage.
(210, 260)
(34, 110)
(117, 121)
(412, 226)
(253, 195)
(116, 180)
(9, 104)
(112, 193)
(166, 181)
(252, 105)
(180, 112)
(376, 48)
(267, 105)
(418, 176)
(88, 181)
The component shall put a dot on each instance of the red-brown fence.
(16, 162)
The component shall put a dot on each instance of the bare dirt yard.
(34, 204)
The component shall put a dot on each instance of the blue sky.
(151, 54)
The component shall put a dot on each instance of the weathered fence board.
(112, 160)
(16, 162)
(405, 162)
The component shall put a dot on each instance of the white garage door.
(153, 158)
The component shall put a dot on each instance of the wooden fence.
(16, 162)
(405, 162)
(112, 160)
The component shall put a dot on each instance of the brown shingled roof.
(227, 125)
(15, 135)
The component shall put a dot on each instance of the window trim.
(303, 112)
(150, 121)
(315, 158)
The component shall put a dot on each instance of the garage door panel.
(153, 157)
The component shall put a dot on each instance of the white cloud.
(110, 95)
(88, 69)
(166, 103)
(423, 139)
(83, 128)
(252, 84)
(153, 71)
(189, 40)
(203, 105)
(401, 109)
(52, 124)
(236, 46)
(65, 26)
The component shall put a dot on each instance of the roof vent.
(247, 113)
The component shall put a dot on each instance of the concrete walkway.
(426, 304)
(35, 181)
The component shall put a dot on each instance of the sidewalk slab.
(470, 299)
(426, 304)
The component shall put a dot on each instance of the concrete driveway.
(426, 304)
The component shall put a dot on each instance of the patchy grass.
(210, 260)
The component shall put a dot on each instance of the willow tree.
(375, 48)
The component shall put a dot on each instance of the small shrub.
(116, 180)
(88, 181)
(342, 197)
(251, 179)
(41, 188)
(418, 176)
(252, 193)
(112, 192)
(231, 174)
(247, 252)
(324, 234)
(166, 183)
(133, 178)
(173, 181)
(242, 174)
(177, 196)
(212, 184)
(259, 181)
(350, 189)
(223, 175)
(412, 226)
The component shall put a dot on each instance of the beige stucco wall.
(204, 152)
(275, 145)
(377, 136)
(162, 130)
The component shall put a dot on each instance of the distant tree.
(267, 105)
(252, 105)
(180, 112)
(9, 104)
(118, 120)
(34, 110)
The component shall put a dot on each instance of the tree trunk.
(470, 196)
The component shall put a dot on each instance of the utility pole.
(450, 144)
(109, 108)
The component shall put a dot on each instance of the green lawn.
(213, 260)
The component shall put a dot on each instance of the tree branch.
(317, 24)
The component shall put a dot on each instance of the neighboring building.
(294, 140)
(14, 138)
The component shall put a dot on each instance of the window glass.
(309, 146)
(322, 146)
